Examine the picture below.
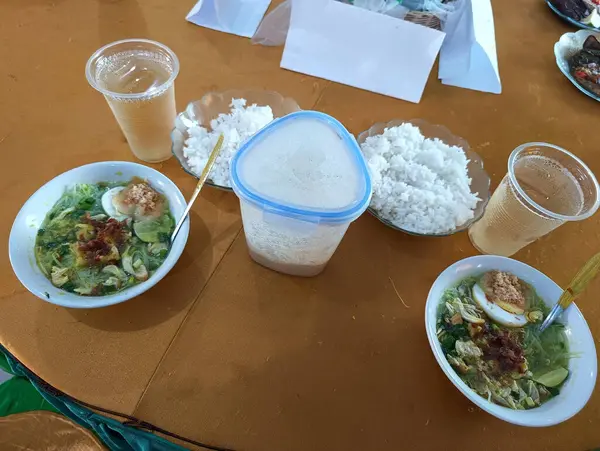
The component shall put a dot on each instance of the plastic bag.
(388, 7)
(274, 28)
(437, 7)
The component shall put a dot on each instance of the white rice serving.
(237, 126)
(419, 184)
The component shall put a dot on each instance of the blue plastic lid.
(305, 165)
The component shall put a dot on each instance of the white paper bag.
(240, 17)
(360, 48)
(468, 58)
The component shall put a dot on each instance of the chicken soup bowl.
(29, 219)
(579, 385)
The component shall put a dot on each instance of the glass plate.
(202, 111)
(480, 179)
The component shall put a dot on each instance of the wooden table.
(223, 350)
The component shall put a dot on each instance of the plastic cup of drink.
(137, 79)
(545, 187)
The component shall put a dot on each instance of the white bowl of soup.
(482, 316)
(98, 235)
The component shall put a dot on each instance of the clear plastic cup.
(545, 187)
(137, 79)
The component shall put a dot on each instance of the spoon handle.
(580, 282)
(203, 176)
(577, 286)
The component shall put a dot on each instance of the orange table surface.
(225, 351)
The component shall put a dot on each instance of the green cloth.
(18, 395)
(26, 392)
(4, 366)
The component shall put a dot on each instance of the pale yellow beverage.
(545, 187)
(137, 80)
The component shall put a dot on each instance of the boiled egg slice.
(109, 206)
(495, 312)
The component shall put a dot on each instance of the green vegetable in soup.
(552, 378)
(154, 230)
(80, 249)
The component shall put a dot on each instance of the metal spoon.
(209, 164)
(577, 286)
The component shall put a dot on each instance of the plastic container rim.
(343, 216)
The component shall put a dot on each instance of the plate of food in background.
(581, 13)
(578, 58)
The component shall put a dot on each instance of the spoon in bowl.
(577, 286)
(203, 176)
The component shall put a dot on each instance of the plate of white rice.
(426, 181)
(237, 114)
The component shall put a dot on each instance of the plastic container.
(301, 181)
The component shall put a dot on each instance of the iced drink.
(545, 187)
(137, 78)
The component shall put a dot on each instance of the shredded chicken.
(456, 319)
(467, 349)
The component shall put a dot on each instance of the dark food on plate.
(92, 243)
(575, 9)
(488, 328)
(585, 65)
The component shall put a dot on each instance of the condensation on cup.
(137, 79)
(545, 187)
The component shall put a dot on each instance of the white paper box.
(360, 48)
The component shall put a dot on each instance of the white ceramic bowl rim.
(34, 210)
(578, 388)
